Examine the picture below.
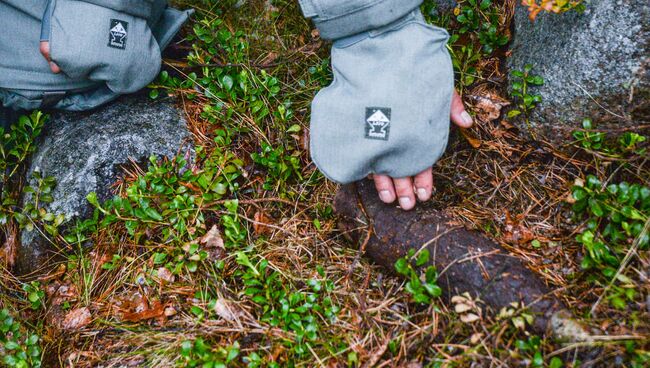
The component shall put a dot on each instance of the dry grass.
(494, 178)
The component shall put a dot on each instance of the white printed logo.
(378, 123)
(118, 34)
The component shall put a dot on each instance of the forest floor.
(236, 259)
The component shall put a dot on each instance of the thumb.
(459, 116)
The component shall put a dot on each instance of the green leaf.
(227, 82)
(556, 363)
(92, 199)
(153, 214)
(513, 113)
(401, 266)
(295, 128)
(423, 258)
(595, 207)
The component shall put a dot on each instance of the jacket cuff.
(342, 18)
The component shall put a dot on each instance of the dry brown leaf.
(515, 232)
(156, 311)
(165, 275)
(170, 311)
(59, 293)
(259, 226)
(213, 238)
(269, 60)
(488, 108)
(77, 319)
(227, 310)
(471, 138)
(214, 243)
(8, 250)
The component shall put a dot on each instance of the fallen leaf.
(469, 318)
(260, 225)
(156, 311)
(55, 274)
(8, 250)
(77, 319)
(170, 311)
(213, 238)
(462, 308)
(227, 310)
(59, 293)
(515, 232)
(270, 59)
(165, 275)
(214, 244)
(473, 140)
(488, 108)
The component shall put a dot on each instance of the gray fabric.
(84, 49)
(95, 68)
(341, 18)
(136, 8)
(387, 110)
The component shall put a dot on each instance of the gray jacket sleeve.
(387, 109)
(341, 18)
(102, 52)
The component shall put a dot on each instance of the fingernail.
(467, 119)
(405, 202)
(423, 195)
(385, 196)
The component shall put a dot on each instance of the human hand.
(406, 189)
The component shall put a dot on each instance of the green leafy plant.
(198, 353)
(593, 140)
(225, 77)
(281, 164)
(525, 99)
(423, 288)
(35, 294)
(532, 350)
(464, 59)
(614, 215)
(481, 18)
(17, 348)
(16, 145)
(298, 311)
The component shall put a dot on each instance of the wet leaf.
(77, 319)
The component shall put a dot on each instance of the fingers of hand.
(385, 188)
(424, 185)
(405, 193)
(45, 50)
(459, 116)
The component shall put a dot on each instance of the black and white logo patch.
(378, 123)
(118, 34)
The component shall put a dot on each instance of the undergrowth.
(230, 255)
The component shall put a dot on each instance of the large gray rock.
(84, 152)
(599, 57)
